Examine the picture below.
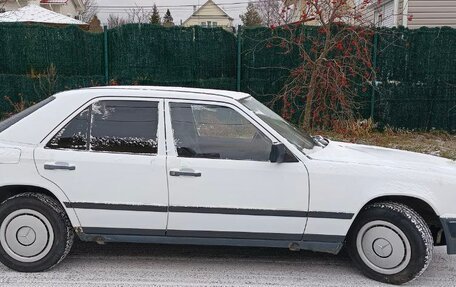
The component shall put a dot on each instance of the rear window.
(19, 116)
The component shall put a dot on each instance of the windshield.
(296, 137)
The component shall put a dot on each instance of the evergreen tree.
(251, 16)
(155, 17)
(168, 19)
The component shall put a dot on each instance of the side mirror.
(278, 153)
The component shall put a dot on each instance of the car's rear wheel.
(391, 243)
(35, 233)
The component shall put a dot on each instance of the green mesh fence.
(416, 84)
(265, 66)
(197, 57)
(417, 78)
(416, 81)
(27, 49)
(417, 105)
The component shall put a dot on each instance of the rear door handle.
(59, 166)
(184, 172)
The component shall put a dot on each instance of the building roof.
(78, 3)
(35, 14)
(209, 2)
(53, 1)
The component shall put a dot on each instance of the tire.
(390, 242)
(35, 233)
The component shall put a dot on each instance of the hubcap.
(383, 247)
(26, 235)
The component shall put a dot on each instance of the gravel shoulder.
(162, 265)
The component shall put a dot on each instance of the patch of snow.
(36, 14)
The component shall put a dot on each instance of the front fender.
(347, 187)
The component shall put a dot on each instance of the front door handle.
(185, 172)
(59, 166)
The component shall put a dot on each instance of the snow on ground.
(161, 265)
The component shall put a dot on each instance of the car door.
(221, 182)
(109, 160)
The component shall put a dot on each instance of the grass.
(436, 143)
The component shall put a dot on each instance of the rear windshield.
(19, 116)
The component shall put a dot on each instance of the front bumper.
(449, 227)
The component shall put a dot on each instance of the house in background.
(414, 13)
(295, 9)
(209, 15)
(394, 13)
(69, 8)
(36, 14)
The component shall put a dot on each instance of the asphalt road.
(162, 265)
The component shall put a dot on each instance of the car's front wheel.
(35, 233)
(390, 242)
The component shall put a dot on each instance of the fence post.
(106, 57)
(374, 80)
(238, 59)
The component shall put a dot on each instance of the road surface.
(161, 265)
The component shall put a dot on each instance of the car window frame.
(160, 126)
(171, 147)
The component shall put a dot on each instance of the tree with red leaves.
(332, 40)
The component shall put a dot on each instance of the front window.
(216, 132)
(296, 137)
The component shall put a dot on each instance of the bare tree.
(2, 5)
(270, 12)
(115, 21)
(332, 44)
(90, 10)
(138, 15)
(134, 15)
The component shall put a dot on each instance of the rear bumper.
(449, 227)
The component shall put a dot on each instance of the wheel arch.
(422, 207)
(8, 191)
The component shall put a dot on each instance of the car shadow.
(198, 251)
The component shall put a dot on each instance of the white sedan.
(209, 167)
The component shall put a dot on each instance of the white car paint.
(337, 179)
(256, 186)
(367, 172)
(111, 178)
(14, 174)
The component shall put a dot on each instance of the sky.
(180, 9)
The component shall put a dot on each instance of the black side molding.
(211, 210)
(125, 207)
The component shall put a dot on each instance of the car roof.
(67, 102)
(212, 92)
